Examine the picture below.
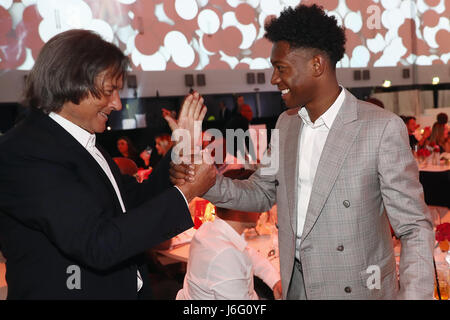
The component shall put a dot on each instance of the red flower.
(423, 152)
(443, 232)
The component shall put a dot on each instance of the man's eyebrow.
(112, 87)
(276, 62)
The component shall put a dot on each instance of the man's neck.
(323, 102)
(237, 226)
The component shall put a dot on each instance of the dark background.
(271, 106)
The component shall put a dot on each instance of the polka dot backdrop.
(224, 34)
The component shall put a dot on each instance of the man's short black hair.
(308, 27)
(442, 118)
(409, 118)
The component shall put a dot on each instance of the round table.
(435, 180)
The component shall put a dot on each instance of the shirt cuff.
(187, 204)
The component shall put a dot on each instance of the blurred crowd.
(434, 139)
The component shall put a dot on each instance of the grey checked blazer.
(366, 178)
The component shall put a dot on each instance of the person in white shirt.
(221, 265)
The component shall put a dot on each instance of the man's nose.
(275, 78)
(115, 101)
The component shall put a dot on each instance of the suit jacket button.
(346, 203)
(276, 183)
(348, 289)
(340, 248)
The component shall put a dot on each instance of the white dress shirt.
(87, 140)
(221, 266)
(312, 141)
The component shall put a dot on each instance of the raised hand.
(191, 115)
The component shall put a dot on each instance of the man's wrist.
(184, 196)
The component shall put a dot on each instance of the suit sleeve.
(49, 197)
(258, 193)
(407, 212)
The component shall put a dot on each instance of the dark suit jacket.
(224, 115)
(58, 209)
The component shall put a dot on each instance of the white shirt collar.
(328, 116)
(85, 138)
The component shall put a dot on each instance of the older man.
(71, 227)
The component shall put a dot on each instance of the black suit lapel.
(115, 171)
(86, 163)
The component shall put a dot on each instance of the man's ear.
(318, 65)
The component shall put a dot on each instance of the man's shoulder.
(14, 137)
(29, 136)
(211, 238)
(370, 112)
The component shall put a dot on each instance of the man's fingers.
(181, 171)
(178, 178)
(185, 106)
(202, 113)
(192, 106)
(198, 108)
(177, 182)
(171, 122)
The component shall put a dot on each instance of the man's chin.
(100, 128)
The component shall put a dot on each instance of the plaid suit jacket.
(366, 179)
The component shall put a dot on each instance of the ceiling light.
(387, 83)
(435, 80)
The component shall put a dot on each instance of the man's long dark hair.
(67, 69)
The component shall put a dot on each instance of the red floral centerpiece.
(424, 152)
(443, 235)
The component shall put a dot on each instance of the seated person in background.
(439, 137)
(127, 150)
(163, 143)
(221, 266)
(442, 118)
(376, 102)
(412, 126)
